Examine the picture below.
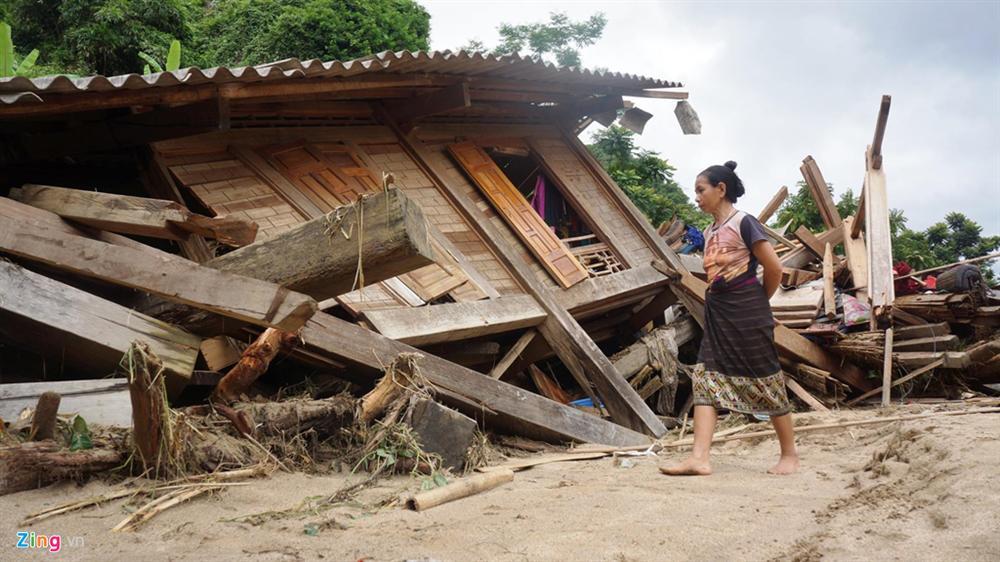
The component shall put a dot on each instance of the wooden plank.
(859, 215)
(512, 407)
(881, 290)
(820, 193)
(804, 395)
(546, 386)
(802, 257)
(778, 237)
(158, 218)
(175, 279)
(773, 205)
(456, 321)
(83, 330)
(523, 220)
(806, 298)
(610, 291)
(156, 178)
(947, 342)
(922, 331)
(810, 242)
(952, 359)
(11, 210)
(512, 354)
(829, 297)
(575, 348)
(857, 259)
(102, 401)
(220, 352)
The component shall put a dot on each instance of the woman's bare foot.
(786, 465)
(689, 467)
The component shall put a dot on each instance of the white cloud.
(773, 82)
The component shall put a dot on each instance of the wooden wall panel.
(574, 175)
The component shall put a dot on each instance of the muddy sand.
(917, 490)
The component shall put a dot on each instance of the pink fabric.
(538, 199)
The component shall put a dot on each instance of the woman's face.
(708, 196)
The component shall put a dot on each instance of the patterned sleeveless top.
(728, 257)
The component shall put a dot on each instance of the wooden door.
(516, 210)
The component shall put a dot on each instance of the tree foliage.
(645, 177)
(799, 209)
(560, 38)
(106, 36)
(258, 31)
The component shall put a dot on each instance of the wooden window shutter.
(516, 210)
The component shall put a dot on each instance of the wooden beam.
(574, 347)
(880, 123)
(505, 404)
(773, 205)
(610, 291)
(449, 98)
(797, 259)
(159, 183)
(810, 242)
(655, 94)
(79, 329)
(141, 216)
(512, 354)
(320, 257)
(820, 193)
(829, 298)
(173, 278)
(455, 321)
(778, 238)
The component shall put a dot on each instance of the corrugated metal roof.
(20, 90)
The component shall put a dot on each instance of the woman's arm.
(767, 257)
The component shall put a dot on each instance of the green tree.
(799, 209)
(955, 238)
(237, 32)
(99, 36)
(645, 177)
(559, 38)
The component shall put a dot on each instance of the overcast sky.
(775, 81)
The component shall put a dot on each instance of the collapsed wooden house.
(406, 202)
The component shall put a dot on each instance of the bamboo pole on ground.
(460, 489)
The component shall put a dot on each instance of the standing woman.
(737, 366)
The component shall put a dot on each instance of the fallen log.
(35, 464)
(157, 218)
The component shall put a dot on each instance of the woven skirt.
(738, 365)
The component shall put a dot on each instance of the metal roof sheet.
(20, 90)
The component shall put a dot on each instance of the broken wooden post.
(773, 205)
(43, 422)
(512, 354)
(857, 259)
(381, 236)
(396, 379)
(157, 218)
(152, 427)
(820, 193)
(253, 364)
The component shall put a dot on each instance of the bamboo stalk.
(460, 489)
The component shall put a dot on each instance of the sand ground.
(917, 490)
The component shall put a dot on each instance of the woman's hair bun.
(730, 164)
